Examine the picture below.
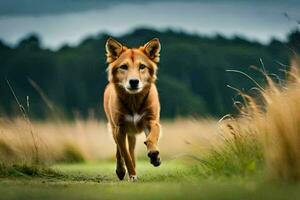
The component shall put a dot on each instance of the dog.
(131, 102)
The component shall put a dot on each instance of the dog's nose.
(134, 83)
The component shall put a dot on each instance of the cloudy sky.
(69, 21)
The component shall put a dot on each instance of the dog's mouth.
(133, 90)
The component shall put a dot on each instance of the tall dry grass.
(272, 121)
(89, 140)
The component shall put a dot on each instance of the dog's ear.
(152, 49)
(113, 49)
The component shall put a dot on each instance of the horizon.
(100, 34)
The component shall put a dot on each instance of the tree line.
(192, 77)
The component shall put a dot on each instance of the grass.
(268, 126)
(72, 154)
(89, 140)
(238, 156)
(170, 171)
(26, 170)
(172, 180)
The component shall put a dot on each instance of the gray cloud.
(69, 21)
(50, 7)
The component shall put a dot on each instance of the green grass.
(238, 156)
(172, 180)
(26, 170)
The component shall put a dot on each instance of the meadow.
(89, 140)
(251, 155)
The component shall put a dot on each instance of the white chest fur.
(135, 119)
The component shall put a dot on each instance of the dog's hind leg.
(120, 165)
(131, 144)
(120, 168)
(121, 141)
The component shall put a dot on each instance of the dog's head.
(132, 69)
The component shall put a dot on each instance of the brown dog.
(131, 101)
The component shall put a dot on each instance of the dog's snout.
(134, 83)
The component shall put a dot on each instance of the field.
(173, 180)
(90, 140)
(253, 155)
(184, 143)
(81, 155)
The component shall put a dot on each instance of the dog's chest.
(134, 119)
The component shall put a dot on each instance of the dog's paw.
(133, 178)
(121, 174)
(154, 158)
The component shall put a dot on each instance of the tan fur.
(128, 112)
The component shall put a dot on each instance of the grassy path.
(173, 180)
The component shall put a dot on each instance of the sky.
(60, 22)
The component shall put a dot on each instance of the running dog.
(131, 102)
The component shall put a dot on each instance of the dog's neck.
(133, 103)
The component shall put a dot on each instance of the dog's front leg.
(152, 131)
(121, 142)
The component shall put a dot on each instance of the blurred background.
(52, 52)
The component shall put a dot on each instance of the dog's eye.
(124, 67)
(142, 66)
